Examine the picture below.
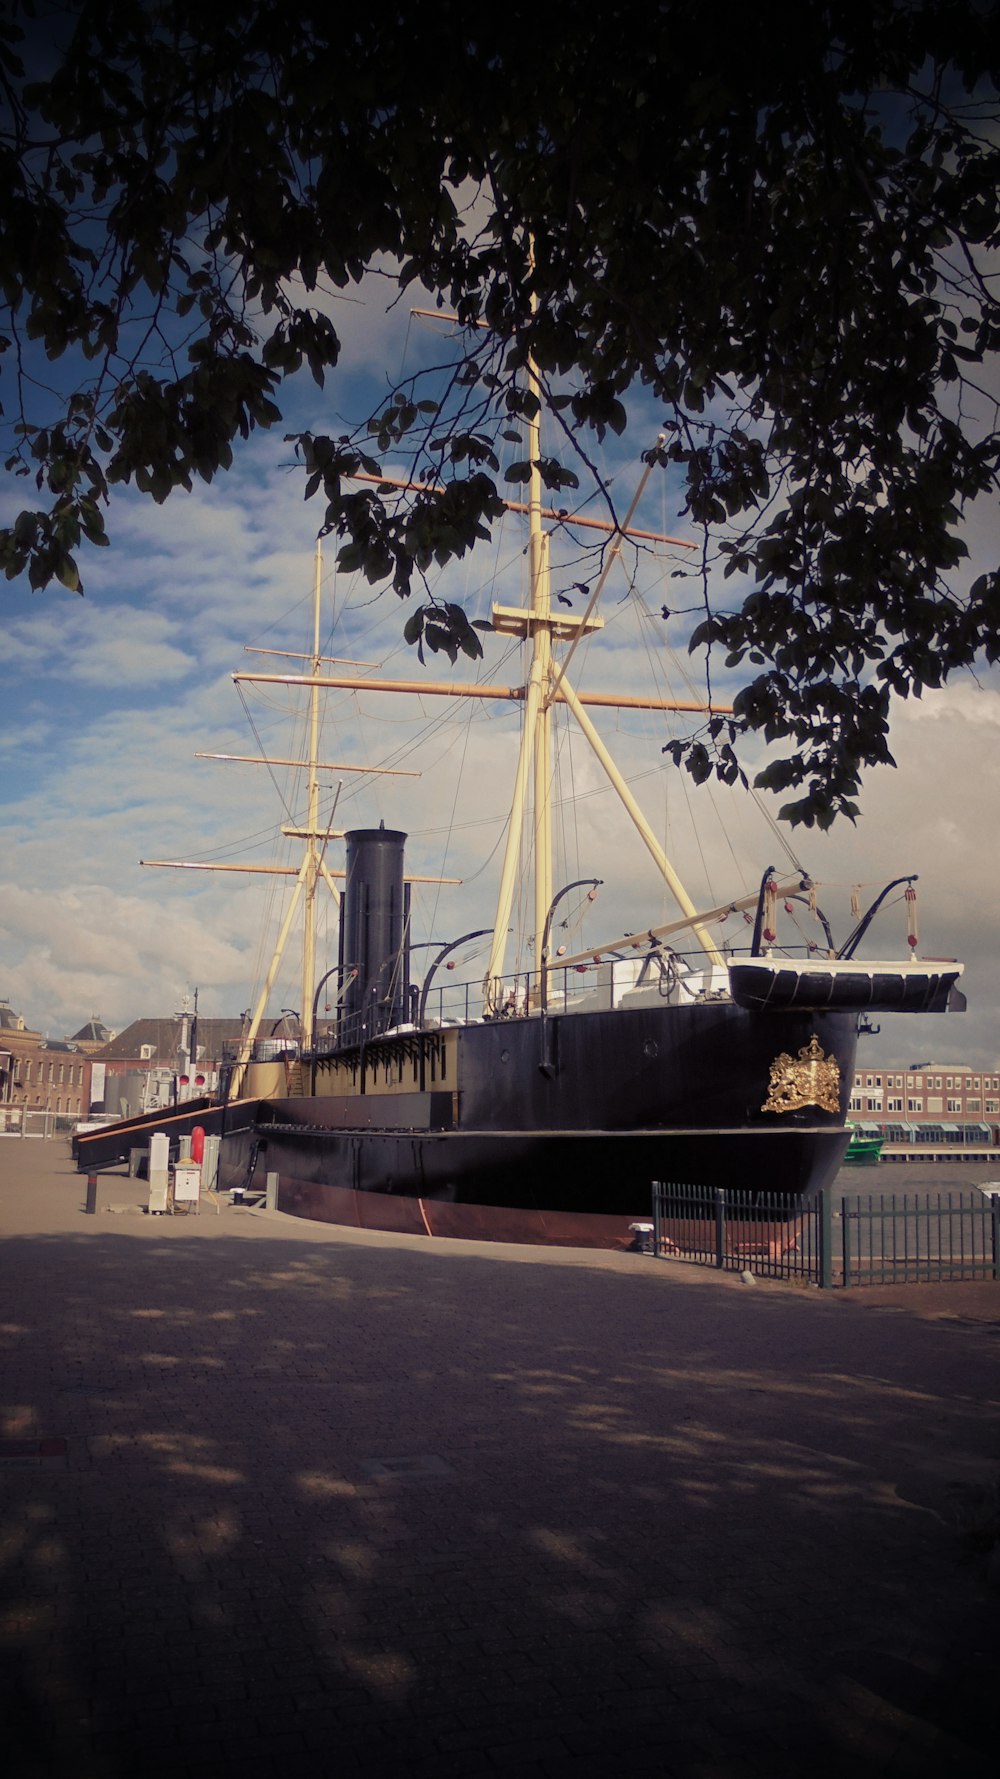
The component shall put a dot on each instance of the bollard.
(91, 1194)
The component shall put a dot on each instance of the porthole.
(651, 1047)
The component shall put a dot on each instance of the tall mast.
(313, 856)
(536, 729)
(541, 656)
(545, 687)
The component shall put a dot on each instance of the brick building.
(926, 1092)
(40, 1074)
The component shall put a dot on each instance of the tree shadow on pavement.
(391, 1509)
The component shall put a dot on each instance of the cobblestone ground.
(277, 1499)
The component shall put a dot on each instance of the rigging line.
(573, 804)
(281, 617)
(266, 926)
(573, 921)
(739, 868)
(598, 790)
(248, 842)
(283, 713)
(657, 667)
(557, 802)
(467, 728)
(775, 827)
(447, 847)
(648, 631)
(777, 831)
(270, 769)
(439, 722)
(564, 807)
(252, 843)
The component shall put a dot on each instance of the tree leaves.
(791, 260)
(445, 629)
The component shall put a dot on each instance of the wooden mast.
(546, 686)
(532, 751)
(312, 860)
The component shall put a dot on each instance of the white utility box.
(210, 1164)
(187, 1183)
(159, 1177)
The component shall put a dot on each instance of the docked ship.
(541, 1103)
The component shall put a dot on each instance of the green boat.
(864, 1148)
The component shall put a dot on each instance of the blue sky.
(105, 700)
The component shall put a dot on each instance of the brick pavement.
(360, 1504)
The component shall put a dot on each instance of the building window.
(894, 1105)
(27, 1073)
(976, 1083)
(954, 1105)
(973, 1105)
(854, 1103)
(935, 1104)
(951, 1082)
(993, 1105)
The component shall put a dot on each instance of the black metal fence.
(835, 1238)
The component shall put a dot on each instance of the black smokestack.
(371, 929)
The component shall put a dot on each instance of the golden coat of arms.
(810, 1079)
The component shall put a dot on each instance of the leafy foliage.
(783, 230)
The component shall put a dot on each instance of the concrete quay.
(279, 1498)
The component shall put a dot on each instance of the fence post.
(91, 1195)
(720, 1227)
(845, 1240)
(995, 1210)
(825, 1238)
(656, 1217)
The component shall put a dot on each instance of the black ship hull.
(553, 1122)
